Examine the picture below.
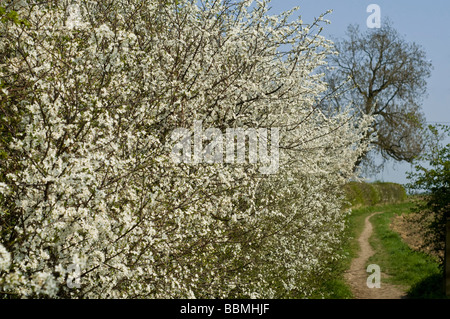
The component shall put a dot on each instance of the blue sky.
(426, 23)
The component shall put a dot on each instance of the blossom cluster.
(89, 179)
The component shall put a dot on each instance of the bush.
(90, 190)
(434, 178)
(369, 194)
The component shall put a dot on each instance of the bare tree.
(381, 74)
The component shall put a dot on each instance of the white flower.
(74, 19)
(4, 189)
(5, 259)
(97, 188)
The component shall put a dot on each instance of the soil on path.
(357, 275)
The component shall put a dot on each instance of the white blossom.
(96, 185)
(5, 259)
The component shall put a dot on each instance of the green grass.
(403, 265)
(334, 289)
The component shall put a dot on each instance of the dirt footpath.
(357, 275)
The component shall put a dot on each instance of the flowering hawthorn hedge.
(90, 93)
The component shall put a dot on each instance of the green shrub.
(361, 194)
(435, 179)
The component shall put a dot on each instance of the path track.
(357, 276)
